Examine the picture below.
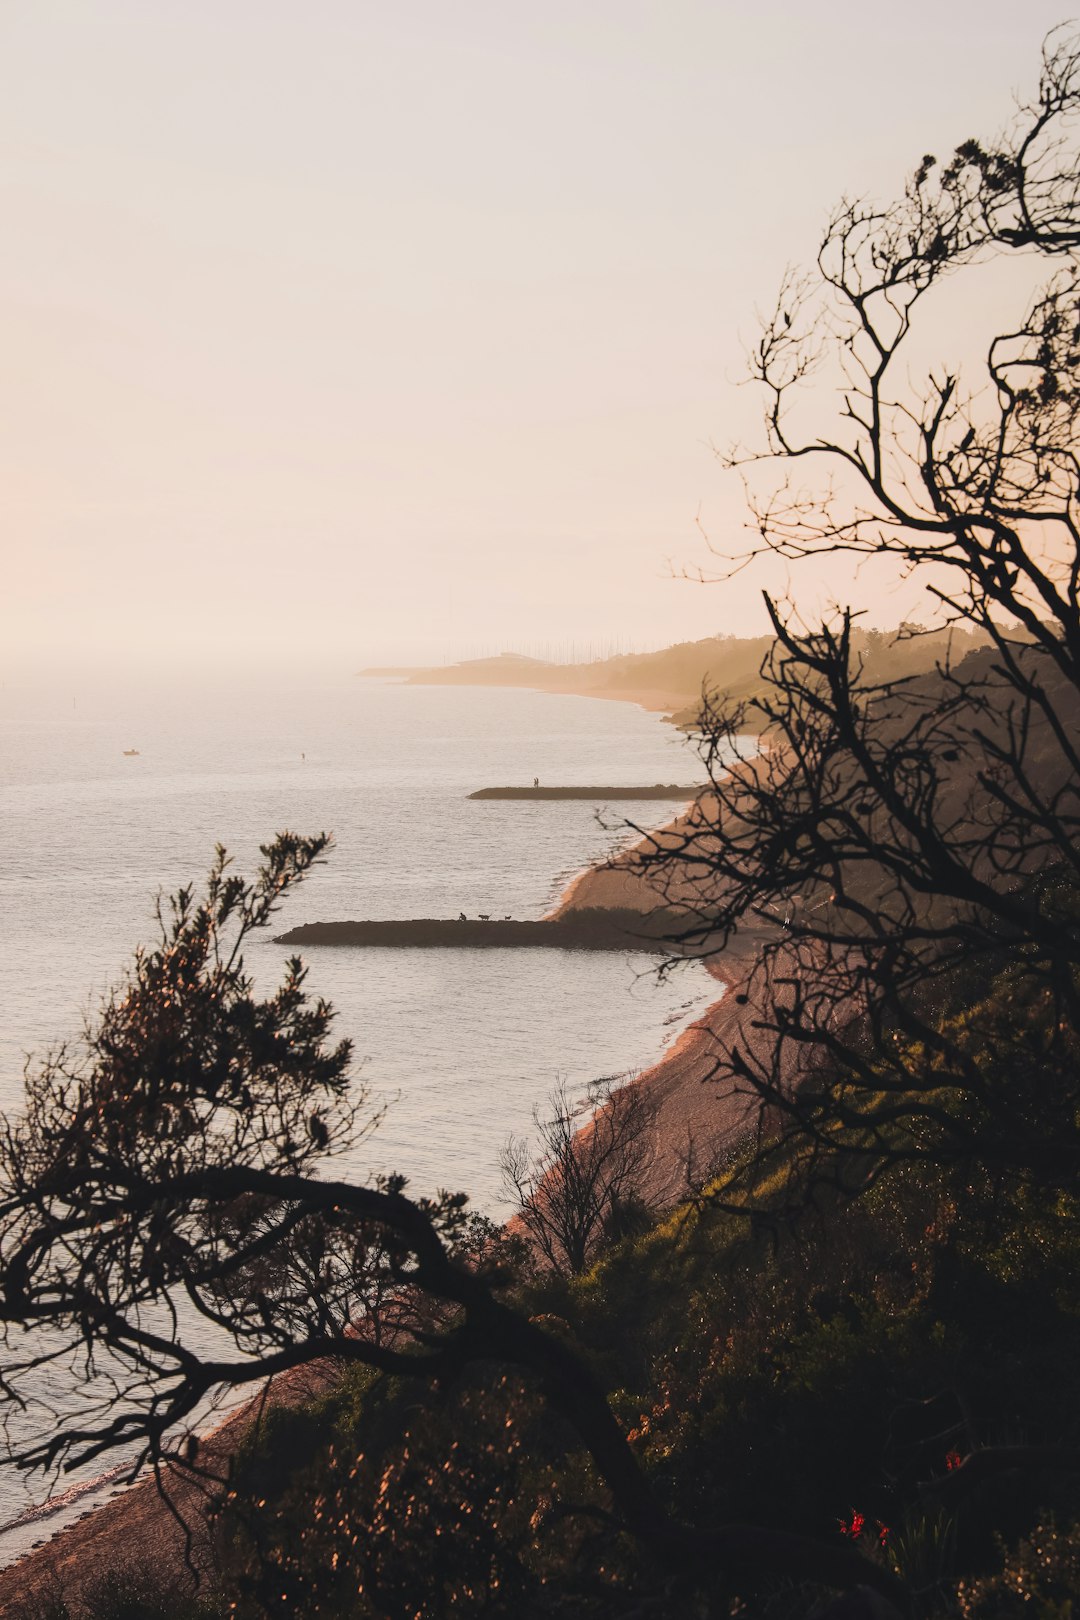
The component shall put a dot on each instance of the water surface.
(460, 1044)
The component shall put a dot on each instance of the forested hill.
(674, 678)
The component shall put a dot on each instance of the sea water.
(458, 1045)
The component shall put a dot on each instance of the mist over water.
(459, 1044)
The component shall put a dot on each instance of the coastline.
(696, 1123)
(689, 1113)
(558, 679)
(137, 1525)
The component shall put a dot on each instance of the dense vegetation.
(830, 1382)
(841, 1378)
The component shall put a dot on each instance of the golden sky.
(344, 332)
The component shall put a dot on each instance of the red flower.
(854, 1526)
(953, 1460)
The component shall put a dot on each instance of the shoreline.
(695, 1125)
(691, 1118)
(663, 696)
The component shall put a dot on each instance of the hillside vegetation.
(676, 677)
(840, 1376)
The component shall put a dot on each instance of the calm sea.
(460, 1044)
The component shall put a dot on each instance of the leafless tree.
(588, 1174)
(899, 838)
(974, 478)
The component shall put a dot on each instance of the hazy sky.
(338, 332)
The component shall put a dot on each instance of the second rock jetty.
(585, 930)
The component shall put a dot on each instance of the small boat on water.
(130, 753)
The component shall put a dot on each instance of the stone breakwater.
(596, 929)
(671, 791)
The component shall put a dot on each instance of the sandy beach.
(139, 1527)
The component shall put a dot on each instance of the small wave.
(64, 1499)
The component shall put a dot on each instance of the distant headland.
(673, 680)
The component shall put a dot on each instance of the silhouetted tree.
(171, 1227)
(588, 1174)
(899, 838)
